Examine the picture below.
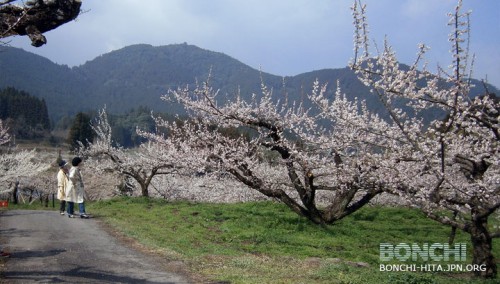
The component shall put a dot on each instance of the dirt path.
(49, 248)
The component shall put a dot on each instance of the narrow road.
(46, 247)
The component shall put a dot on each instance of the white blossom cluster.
(289, 155)
(4, 134)
(150, 159)
(15, 164)
(207, 188)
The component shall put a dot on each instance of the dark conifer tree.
(28, 115)
(44, 115)
(80, 131)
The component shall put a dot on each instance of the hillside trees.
(27, 115)
(36, 17)
(124, 126)
(450, 169)
(81, 131)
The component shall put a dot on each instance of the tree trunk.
(144, 189)
(142, 182)
(482, 247)
(15, 199)
(453, 232)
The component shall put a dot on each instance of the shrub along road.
(47, 247)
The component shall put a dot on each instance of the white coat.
(75, 191)
(62, 184)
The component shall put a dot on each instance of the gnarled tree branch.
(36, 18)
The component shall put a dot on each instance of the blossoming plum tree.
(449, 168)
(159, 157)
(313, 161)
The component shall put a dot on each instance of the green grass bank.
(264, 242)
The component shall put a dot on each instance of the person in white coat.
(62, 184)
(76, 191)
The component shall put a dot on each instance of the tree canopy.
(26, 115)
(80, 131)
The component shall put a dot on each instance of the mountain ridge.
(138, 75)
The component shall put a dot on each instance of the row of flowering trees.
(338, 149)
(15, 164)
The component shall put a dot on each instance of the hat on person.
(62, 163)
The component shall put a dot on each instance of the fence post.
(14, 192)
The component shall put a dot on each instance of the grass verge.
(264, 242)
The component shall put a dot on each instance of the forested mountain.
(130, 77)
(26, 116)
(138, 75)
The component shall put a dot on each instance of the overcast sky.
(281, 37)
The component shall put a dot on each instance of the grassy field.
(264, 242)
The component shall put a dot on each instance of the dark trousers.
(71, 208)
(62, 208)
